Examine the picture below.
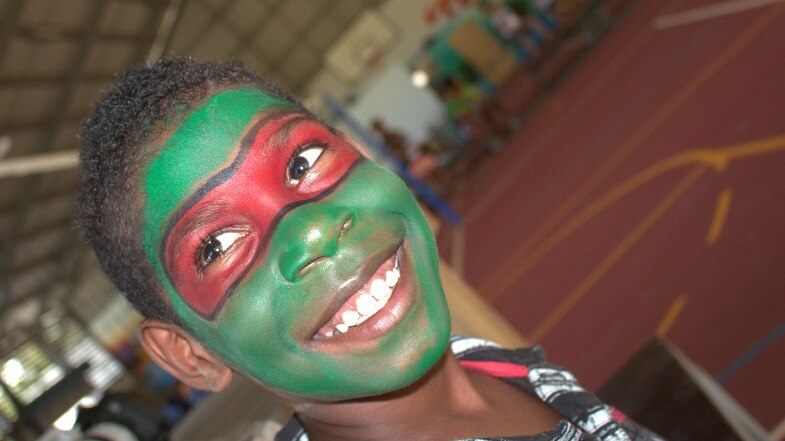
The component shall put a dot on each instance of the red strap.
(496, 368)
(618, 415)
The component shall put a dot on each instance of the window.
(76, 346)
(29, 372)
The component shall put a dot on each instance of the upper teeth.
(368, 304)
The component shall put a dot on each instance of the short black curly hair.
(115, 143)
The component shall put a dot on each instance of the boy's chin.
(405, 381)
(382, 387)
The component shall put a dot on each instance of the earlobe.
(177, 352)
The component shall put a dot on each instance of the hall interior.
(603, 178)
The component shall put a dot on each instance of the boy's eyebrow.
(283, 134)
(211, 211)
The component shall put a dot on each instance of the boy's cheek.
(245, 333)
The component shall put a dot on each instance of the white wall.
(407, 18)
(386, 91)
(392, 98)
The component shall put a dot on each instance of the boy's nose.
(313, 232)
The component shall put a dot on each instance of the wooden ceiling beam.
(28, 196)
(47, 33)
(52, 80)
(11, 17)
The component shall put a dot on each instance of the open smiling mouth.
(366, 303)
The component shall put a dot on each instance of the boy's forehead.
(222, 115)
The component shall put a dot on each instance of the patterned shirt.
(586, 417)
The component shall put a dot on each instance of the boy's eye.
(215, 246)
(300, 164)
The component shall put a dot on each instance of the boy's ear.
(180, 354)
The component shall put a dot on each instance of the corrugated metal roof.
(56, 58)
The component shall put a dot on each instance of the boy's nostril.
(309, 266)
(347, 223)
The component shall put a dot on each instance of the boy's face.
(273, 236)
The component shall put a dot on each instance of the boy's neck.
(448, 403)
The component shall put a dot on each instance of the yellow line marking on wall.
(633, 142)
(720, 214)
(617, 253)
(577, 108)
(778, 432)
(522, 259)
(708, 12)
(671, 315)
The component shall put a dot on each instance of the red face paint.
(246, 199)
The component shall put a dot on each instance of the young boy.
(258, 241)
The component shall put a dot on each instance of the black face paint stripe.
(226, 174)
(222, 176)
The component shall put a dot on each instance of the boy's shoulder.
(529, 369)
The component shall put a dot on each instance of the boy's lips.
(366, 302)
(373, 309)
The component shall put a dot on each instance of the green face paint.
(265, 228)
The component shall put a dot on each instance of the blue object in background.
(377, 146)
